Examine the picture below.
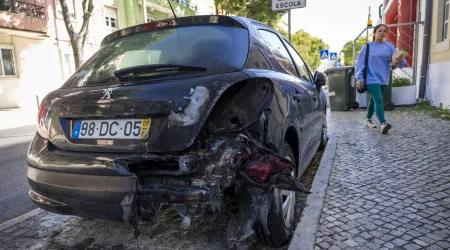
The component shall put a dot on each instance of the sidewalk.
(13, 118)
(384, 191)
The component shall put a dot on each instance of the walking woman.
(379, 64)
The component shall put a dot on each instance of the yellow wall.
(439, 51)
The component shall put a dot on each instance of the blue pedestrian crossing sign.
(333, 56)
(324, 54)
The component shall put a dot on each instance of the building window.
(111, 18)
(70, 7)
(7, 62)
(445, 29)
(443, 13)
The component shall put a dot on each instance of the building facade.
(26, 51)
(438, 84)
(36, 55)
(438, 54)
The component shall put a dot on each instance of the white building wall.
(438, 87)
(205, 7)
(37, 69)
(97, 30)
(44, 62)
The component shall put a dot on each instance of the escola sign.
(287, 4)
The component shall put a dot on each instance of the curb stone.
(305, 234)
(20, 218)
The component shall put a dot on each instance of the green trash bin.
(387, 97)
(342, 88)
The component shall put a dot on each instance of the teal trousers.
(376, 101)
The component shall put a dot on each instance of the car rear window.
(217, 48)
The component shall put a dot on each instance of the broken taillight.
(41, 123)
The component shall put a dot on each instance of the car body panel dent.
(198, 99)
(168, 133)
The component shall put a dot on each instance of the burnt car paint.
(183, 161)
(168, 106)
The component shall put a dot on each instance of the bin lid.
(339, 69)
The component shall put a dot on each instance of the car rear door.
(299, 91)
(307, 81)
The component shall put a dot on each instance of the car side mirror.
(319, 79)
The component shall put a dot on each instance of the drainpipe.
(426, 49)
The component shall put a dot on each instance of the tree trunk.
(216, 5)
(77, 49)
(78, 40)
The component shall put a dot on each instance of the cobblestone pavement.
(388, 191)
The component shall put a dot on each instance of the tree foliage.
(348, 50)
(309, 47)
(260, 10)
(78, 39)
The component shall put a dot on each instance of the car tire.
(280, 228)
(324, 135)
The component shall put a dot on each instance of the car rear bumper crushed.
(122, 187)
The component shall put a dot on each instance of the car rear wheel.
(282, 217)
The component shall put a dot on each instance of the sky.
(334, 21)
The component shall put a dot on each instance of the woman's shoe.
(385, 127)
(369, 123)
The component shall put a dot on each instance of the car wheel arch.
(291, 138)
(231, 95)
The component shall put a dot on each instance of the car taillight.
(157, 25)
(41, 123)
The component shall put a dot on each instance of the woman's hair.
(377, 27)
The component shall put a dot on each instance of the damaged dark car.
(183, 112)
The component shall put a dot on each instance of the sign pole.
(279, 5)
(289, 25)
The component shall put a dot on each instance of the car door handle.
(297, 97)
(314, 96)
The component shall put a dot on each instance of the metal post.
(354, 52)
(289, 25)
(367, 32)
(415, 51)
(144, 10)
(354, 45)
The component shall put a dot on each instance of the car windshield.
(218, 49)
